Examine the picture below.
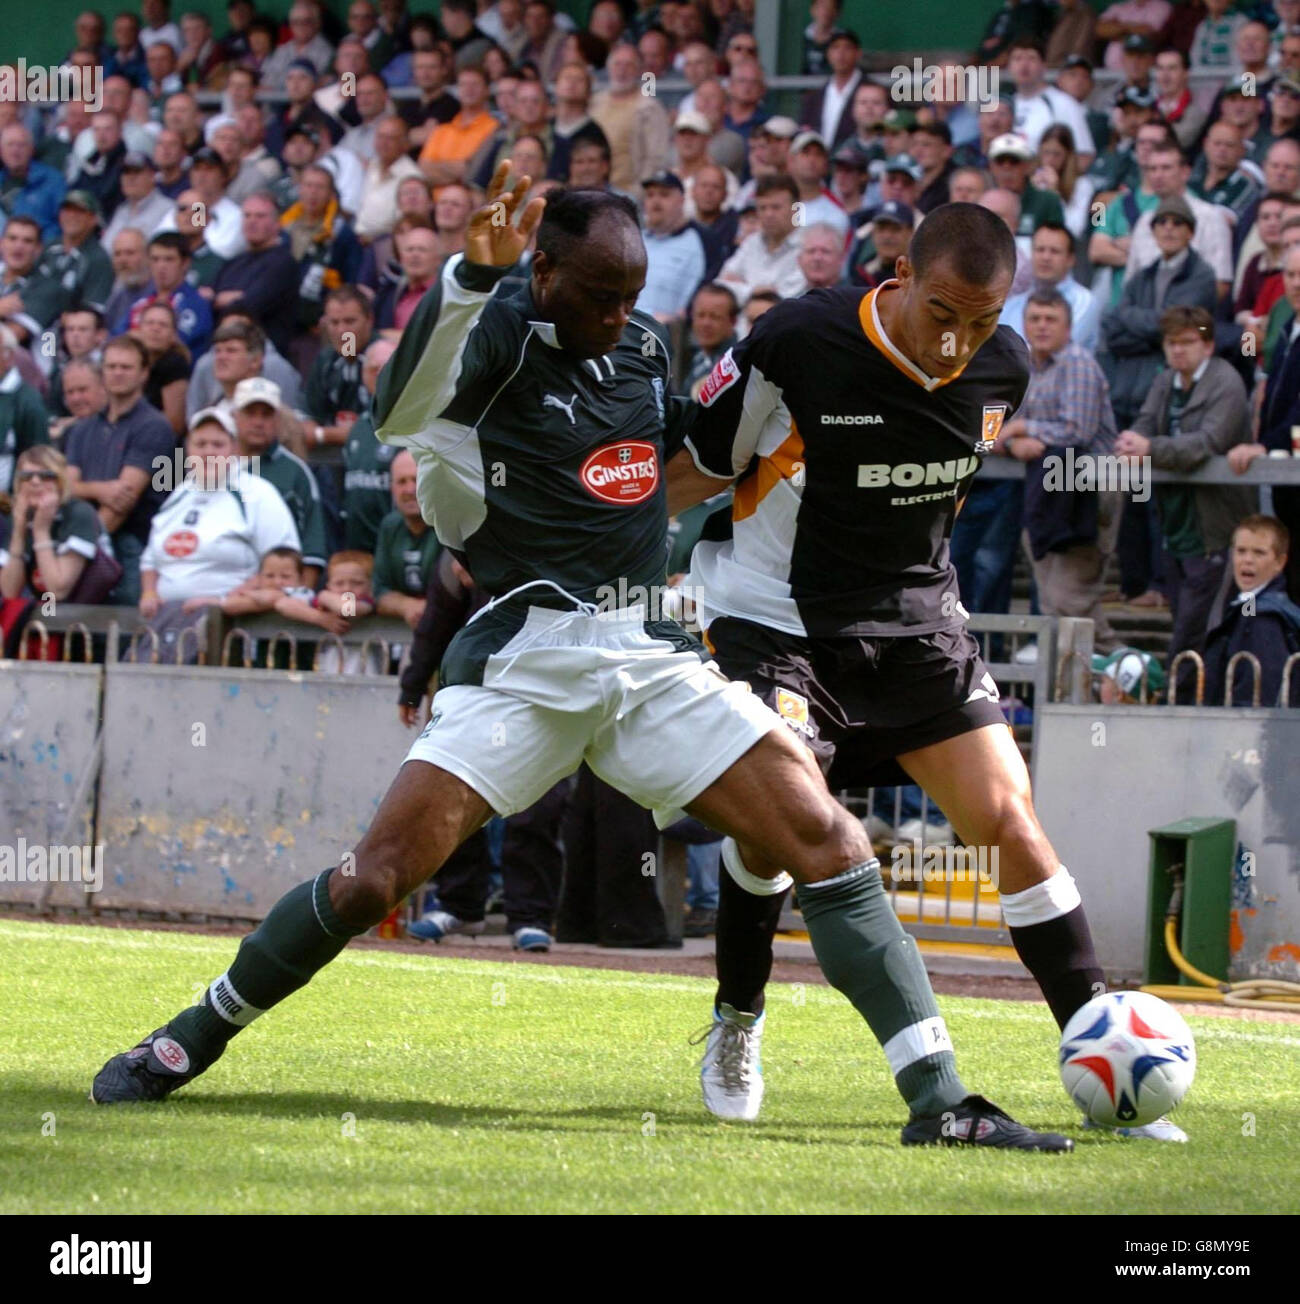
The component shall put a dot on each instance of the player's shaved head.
(974, 242)
(952, 284)
(589, 268)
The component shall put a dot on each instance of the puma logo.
(549, 400)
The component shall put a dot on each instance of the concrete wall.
(1105, 776)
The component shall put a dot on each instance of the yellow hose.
(1251, 994)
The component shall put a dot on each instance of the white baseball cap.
(1010, 143)
(256, 389)
(204, 415)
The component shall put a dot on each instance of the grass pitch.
(400, 1083)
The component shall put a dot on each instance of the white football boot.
(731, 1072)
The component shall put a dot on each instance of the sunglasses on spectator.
(29, 476)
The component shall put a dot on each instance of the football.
(1127, 1058)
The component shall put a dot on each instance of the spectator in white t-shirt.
(212, 531)
(1038, 105)
(809, 165)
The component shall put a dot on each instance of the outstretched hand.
(492, 237)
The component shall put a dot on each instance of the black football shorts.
(858, 703)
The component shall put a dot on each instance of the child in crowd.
(1254, 616)
(279, 576)
(346, 597)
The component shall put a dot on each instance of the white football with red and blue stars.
(1127, 1058)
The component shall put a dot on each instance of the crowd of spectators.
(219, 259)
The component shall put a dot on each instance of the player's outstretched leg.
(425, 815)
(775, 799)
(980, 781)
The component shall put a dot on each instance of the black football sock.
(864, 952)
(745, 928)
(1051, 935)
(300, 936)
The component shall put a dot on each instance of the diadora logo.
(549, 400)
(724, 374)
(853, 419)
(625, 473)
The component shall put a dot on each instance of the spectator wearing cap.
(1052, 261)
(675, 261)
(1011, 161)
(1116, 168)
(1165, 175)
(706, 206)
(1137, 57)
(932, 149)
(169, 261)
(1075, 79)
(101, 174)
(257, 415)
(1073, 35)
(305, 44)
(77, 261)
(211, 532)
(900, 180)
(1177, 276)
(828, 110)
(769, 258)
(301, 146)
(691, 134)
(1219, 176)
(111, 459)
(1038, 105)
(1214, 42)
(300, 111)
(1069, 536)
(322, 243)
(880, 243)
(821, 255)
(451, 146)
(849, 180)
(1196, 408)
(262, 282)
(23, 417)
(28, 188)
(210, 214)
(636, 125)
(143, 205)
(1174, 100)
(714, 313)
(808, 165)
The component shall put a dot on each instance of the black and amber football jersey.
(851, 462)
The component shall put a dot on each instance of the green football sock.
(864, 952)
(300, 936)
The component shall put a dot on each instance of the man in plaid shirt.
(1066, 406)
